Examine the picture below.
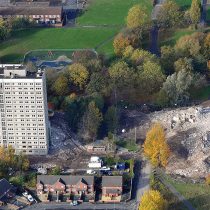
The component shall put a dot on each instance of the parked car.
(30, 198)
(25, 194)
(91, 172)
(75, 203)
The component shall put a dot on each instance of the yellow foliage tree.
(137, 17)
(208, 179)
(153, 200)
(120, 43)
(78, 74)
(128, 51)
(156, 147)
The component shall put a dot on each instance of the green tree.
(140, 56)
(78, 74)
(4, 30)
(169, 15)
(153, 200)
(151, 78)
(74, 111)
(91, 121)
(98, 84)
(111, 119)
(61, 85)
(56, 171)
(179, 85)
(168, 57)
(195, 11)
(120, 74)
(17, 180)
(138, 17)
(22, 162)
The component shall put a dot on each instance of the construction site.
(187, 132)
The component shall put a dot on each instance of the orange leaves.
(120, 43)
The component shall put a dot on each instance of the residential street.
(142, 172)
(143, 184)
(84, 206)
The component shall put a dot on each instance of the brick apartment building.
(42, 12)
(112, 189)
(65, 185)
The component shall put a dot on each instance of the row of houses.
(44, 13)
(81, 188)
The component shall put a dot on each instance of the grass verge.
(197, 194)
(173, 202)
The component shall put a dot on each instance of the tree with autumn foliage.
(195, 11)
(156, 147)
(153, 200)
(138, 17)
(208, 179)
(8, 159)
(91, 121)
(78, 74)
(120, 43)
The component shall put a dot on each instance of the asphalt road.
(84, 206)
(144, 178)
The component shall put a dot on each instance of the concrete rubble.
(188, 134)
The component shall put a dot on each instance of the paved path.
(154, 49)
(204, 11)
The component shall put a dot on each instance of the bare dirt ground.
(187, 132)
(65, 150)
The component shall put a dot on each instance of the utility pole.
(135, 134)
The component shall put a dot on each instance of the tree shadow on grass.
(201, 202)
(11, 58)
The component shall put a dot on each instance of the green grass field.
(109, 12)
(100, 38)
(197, 194)
(54, 38)
(184, 4)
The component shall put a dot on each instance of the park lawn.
(23, 41)
(197, 194)
(184, 4)
(107, 48)
(109, 12)
(171, 36)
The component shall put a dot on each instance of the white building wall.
(24, 115)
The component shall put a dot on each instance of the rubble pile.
(188, 134)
